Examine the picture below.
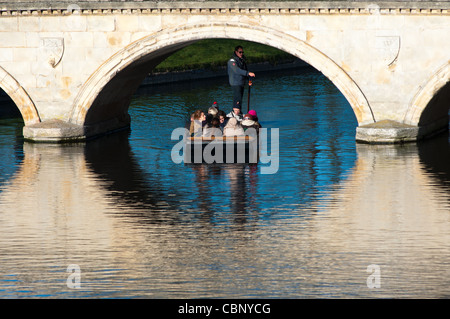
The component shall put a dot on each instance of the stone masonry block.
(9, 24)
(50, 24)
(127, 23)
(29, 24)
(12, 39)
(101, 23)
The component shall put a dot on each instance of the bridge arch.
(126, 69)
(431, 102)
(20, 97)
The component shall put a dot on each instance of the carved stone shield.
(52, 50)
(387, 48)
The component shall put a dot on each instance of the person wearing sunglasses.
(237, 75)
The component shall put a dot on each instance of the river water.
(116, 218)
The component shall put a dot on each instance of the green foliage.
(214, 53)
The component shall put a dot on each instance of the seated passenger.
(248, 122)
(236, 113)
(212, 129)
(197, 120)
(215, 105)
(223, 119)
(255, 117)
(213, 111)
(233, 128)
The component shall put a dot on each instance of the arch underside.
(106, 95)
(431, 104)
(20, 98)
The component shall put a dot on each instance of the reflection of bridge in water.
(104, 174)
(96, 197)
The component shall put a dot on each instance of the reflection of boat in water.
(226, 149)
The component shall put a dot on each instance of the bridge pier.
(391, 132)
(58, 131)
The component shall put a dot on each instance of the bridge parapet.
(65, 7)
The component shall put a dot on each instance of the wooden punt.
(226, 149)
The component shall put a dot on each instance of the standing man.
(237, 74)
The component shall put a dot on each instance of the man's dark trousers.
(238, 93)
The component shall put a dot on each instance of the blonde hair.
(197, 114)
(213, 111)
(232, 123)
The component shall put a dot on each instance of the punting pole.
(250, 83)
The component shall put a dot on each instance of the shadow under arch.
(20, 98)
(431, 104)
(105, 97)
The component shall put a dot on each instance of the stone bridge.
(71, 67)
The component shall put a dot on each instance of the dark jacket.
(237, 70)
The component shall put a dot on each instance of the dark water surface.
(337, 220)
